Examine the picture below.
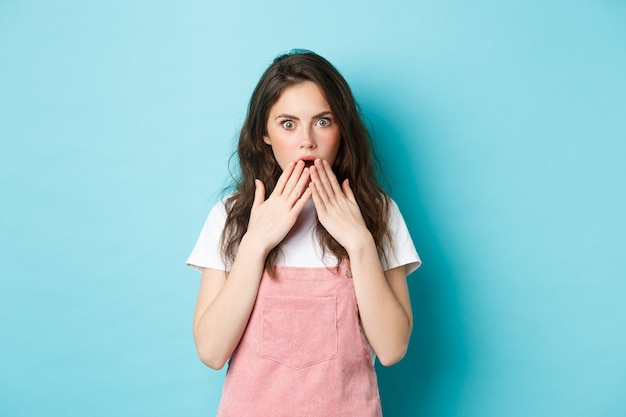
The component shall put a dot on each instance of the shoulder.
(394, 216)
(392, 206)
(402, 249)
(215, 220)
(207, 250)
(218, 211)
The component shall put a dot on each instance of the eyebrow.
(290, 116)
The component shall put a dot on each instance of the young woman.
(304, 265)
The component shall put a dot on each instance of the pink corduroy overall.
(303, 353)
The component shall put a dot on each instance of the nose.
(307, 141)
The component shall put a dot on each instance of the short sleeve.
(402, 250)
(207, 251)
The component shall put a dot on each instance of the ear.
(267, 140)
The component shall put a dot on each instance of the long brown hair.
(355, 159)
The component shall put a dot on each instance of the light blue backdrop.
(502, 126)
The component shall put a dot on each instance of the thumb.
(259, 193)
(345, 186)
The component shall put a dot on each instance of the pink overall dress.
(303, 353)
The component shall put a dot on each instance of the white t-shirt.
(300, 247)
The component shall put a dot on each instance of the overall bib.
(303, 353)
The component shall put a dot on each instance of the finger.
(294, 177)
(347, 190)
(259, 193)
(320, 206)
(306, 195)
(332, 179)
(284, 177)
(301, 185)
(322, 169)
(318, 184)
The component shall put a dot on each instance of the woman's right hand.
(225, 300)
(271, 219)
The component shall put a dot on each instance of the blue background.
(502, 126)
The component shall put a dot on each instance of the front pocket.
(299, 331)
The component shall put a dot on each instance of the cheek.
(281, 150)
(330, 136)
(280, 146)
(335, 139)
(333, 145)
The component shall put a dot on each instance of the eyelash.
(326, 122)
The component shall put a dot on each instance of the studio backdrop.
(501, 127)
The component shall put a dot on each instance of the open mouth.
(308, 163)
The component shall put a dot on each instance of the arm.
(225, 300)
(384, 304)
(382, 297)
(224, 304)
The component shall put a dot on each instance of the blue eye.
(288, 124)
(323, 122)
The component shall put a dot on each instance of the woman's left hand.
(336, 206)
(382, 297)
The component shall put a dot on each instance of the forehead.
(305, 97)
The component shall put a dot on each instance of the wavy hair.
(355, 159)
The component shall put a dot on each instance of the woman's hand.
(225, 300)
(382, 296)
(336, 206)
(271, 219)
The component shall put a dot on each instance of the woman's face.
(300, 125)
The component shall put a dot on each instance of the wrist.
(360, 243)
(252, 246)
